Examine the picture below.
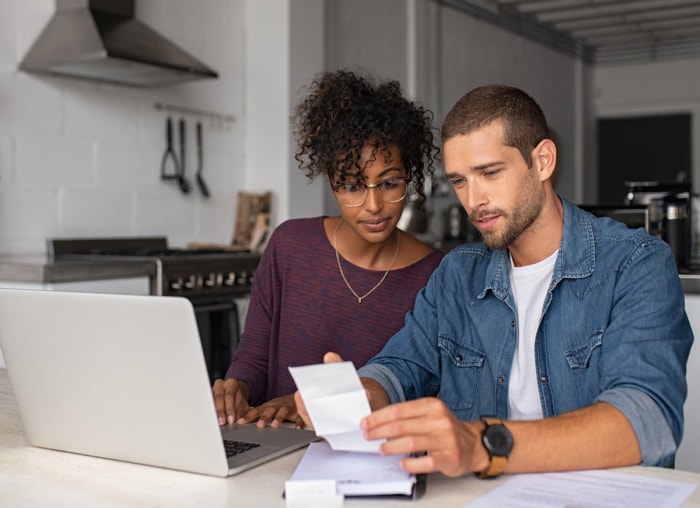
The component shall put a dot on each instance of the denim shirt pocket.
(584, 367)
(581, 356)
(461, 372)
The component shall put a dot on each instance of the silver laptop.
(123, 377)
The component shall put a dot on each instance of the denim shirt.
(613, 329)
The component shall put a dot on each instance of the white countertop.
(40, 269)
(35, 477)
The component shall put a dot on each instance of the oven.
(216, 281)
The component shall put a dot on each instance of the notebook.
(123, 377)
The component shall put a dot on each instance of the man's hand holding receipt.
(336, 402)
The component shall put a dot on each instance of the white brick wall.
(79, 158)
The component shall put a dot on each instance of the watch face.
(498, 440)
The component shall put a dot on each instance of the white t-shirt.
(530, 284)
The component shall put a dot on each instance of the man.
(559, 343)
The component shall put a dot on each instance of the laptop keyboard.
(237, 447)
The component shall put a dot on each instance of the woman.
(343, 283)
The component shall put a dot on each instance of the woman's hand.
(230, 399)
(274, 412)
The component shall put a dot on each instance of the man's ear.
(544, 158)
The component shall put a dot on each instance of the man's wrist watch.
(498, 441)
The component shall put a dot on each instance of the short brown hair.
(524, 123)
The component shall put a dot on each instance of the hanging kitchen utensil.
(169, 155)
(200, 163)
(185, 185)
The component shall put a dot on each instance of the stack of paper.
(355, 474)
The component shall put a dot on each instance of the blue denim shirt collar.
(576, 257)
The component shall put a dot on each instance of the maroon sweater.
(300, 308)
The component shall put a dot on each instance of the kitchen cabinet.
(688, 457)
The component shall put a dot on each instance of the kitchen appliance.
(457, 226)
(665, 210)
(415, 217)
(212, 279)
(101, 40)
(634, 216)
(670, 207)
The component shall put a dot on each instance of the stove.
(212, 279)
(178, 272)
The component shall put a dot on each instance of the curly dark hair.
(344, 111)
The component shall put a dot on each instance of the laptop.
(124, 377)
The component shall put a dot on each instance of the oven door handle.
(214, 307)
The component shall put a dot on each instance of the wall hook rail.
(215, 117)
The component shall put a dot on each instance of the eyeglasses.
(391, 190)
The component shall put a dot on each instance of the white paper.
(586, 489)
(312, 494)
(336, 402)
(354, 473)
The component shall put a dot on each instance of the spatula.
(200, 163)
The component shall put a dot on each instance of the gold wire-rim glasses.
(338, 189)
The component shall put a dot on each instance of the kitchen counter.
(690, 279)
(31, 476)
(41, 270)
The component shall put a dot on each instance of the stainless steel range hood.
(101, 40)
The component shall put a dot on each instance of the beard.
(522, 215)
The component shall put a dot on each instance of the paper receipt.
(336, 402)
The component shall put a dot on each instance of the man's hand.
(230, 399)
(426, 425)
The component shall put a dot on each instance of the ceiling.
(601, 31)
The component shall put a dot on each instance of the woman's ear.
(544, 158)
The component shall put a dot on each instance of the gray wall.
(476, 53)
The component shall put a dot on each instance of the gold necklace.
(340, 268)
